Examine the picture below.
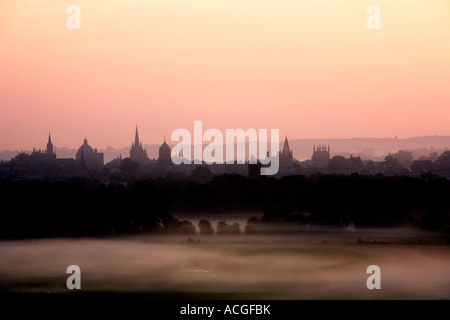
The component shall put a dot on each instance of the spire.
(165, 145)
(286, 145)
(49, 145)
(136, 138)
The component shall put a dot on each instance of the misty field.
(321, 265)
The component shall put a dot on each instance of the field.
(318, 264)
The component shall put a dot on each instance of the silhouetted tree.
(201, 174)
(390, 160)
(183, 227)
(87, 207)
(444, 160)
(336, 164)
(223, 227)
(404, 158)
(254, 225)
(205, 227)
(424, 165)
(129, 168)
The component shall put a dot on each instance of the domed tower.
(88, 156)
(84, 152)
(164, 158)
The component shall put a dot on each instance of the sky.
(311, 68)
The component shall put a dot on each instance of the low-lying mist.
(322, 266)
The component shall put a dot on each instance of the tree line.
(83, 207)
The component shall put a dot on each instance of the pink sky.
(310, 68)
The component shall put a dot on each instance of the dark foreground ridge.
(83, 207)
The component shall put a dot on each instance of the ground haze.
(317, 265)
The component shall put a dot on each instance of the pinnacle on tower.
(49, 149)
(286, 145)
(136, 137)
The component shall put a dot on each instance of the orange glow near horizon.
(310, 68)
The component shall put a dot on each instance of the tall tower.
(286, 150)
(136, 138)
(164, 158)
(48, 153)
(286, 159)
(321, 155)
(137, 153)
(49, 145)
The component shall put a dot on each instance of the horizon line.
(246, 141)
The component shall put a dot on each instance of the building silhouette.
(43, 163)
(48, 153)
(164, 158)
(88, 157)
(254, 169)
(321, 156)
(286, 160)
(137, 152)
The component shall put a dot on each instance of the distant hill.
(369, 148)
(372, 148)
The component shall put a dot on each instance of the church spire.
(136, 138)
(49, 145)
(286, 145)
(137, 152)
